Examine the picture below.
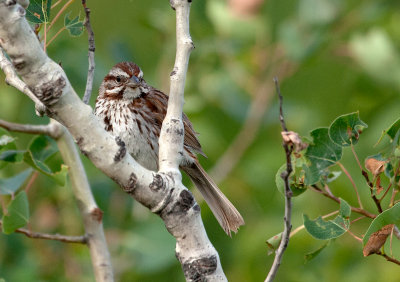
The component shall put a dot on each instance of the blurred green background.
(332, 57)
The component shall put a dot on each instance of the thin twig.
(388, 258)
(371, 186)
(49, 129)
(92, 47)
(352, 183)
(56, 4)
(394, 192)
(59, 14)
(56, 237)
(387, 190)
(54, 36)
(354, 236)
(13, 80)
(288, 196)
(336, 199)
(32, 180)
(355, 156)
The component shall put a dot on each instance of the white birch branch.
(161, 192)
(91, 214)
(13, 80)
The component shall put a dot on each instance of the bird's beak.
(133, 82)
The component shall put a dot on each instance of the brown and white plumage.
(134, 111)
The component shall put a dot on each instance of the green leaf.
(322, 153)
(40, 149)
(39, 11)
(8, 186)
(313, 254)
(392, 130)
(324, 230)
(389, 216)
(12, 156)
(6, 139)
(321, 229)
(17, 213)
(345, 130)
(74, 26)
(296, 184)
(273, 243)
(345, 209)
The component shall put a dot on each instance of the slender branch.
(171, 142)
(288, 196)
(352, 183)
(49, 129)
(92, 47)
(13, 80)
(371, 186)
(389, 258)
(91, 214)
(56, 237)
(336, 199)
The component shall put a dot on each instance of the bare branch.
(171, 136)
(337, 200)
(49, 129)
(91, 214)
(288, 196)
(92, 47)
(13, 80)
(56, 237)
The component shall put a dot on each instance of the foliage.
(339, 57)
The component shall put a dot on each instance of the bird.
(134, 111)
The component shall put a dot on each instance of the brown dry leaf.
(375, 166)
(377, 240)
(292, 138)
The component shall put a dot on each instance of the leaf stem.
(352, 182)
(55, 36)
(59, 14)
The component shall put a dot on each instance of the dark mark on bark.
(179, 132)
(196, 208)
(10, 2)
(131, 184)
(49, 92)
(21, 11)
(121, 151)
(79, 142)
(158, 182)
(97, 214)
(197, 270)
(184, 203)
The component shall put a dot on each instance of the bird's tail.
(227, 215)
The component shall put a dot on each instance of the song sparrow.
(134, 111)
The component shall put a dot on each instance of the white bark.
(161, 192)
(92, 215)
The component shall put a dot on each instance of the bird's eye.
(118, 79)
